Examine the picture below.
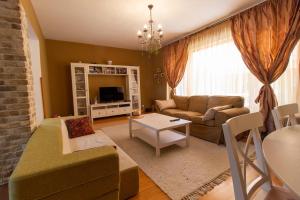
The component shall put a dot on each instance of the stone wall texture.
(17, 114)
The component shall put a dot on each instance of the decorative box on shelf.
(107, 70)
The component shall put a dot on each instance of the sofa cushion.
(199, 120)
(180, 113)
(165, 104)
(198, 103)
(235, 101)
(79, 127)
(171, 112)
(210, 113)
(187, 114)
(182, 102)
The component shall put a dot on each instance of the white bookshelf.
(80, 73)
(80, 89)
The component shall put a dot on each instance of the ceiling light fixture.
(150, 38)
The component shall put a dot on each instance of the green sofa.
(43, 172)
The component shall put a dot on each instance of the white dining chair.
(285, 113)
(261, 187)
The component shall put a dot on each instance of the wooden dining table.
(281, 149)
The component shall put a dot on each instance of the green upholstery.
(43, 172)
(129, 183)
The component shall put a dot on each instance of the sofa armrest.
(156, 107)
(161, 105)
(223, 115)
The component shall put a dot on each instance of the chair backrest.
(232, 128)
(285, 113)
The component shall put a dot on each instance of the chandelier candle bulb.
(161, 33)
(159, 27)
(139, 33)
(145, 27)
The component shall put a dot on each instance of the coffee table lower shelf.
(160, 139)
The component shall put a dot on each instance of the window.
(215, 67)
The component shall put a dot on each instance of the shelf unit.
(80, 89)
(81, 72)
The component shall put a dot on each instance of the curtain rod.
(219, 21)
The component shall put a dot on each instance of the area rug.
(181, 172)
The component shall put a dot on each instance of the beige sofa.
(193, 108)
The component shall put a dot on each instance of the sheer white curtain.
(215, 67)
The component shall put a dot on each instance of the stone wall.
(17, 115)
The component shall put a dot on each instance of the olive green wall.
(60, 54)
(31, 16)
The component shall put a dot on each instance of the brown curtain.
(174, 61)
(266, 35)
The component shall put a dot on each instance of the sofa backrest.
(198, 103)
(182, 102)
(235, 101)
(202, 103)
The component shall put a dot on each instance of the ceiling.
(115, 22)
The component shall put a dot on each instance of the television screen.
(109, 94)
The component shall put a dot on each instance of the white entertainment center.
(80, 73)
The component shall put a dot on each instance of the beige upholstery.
(198, 104)
(182, 102)
(193, 108)
(187, 114)
(167, 104)
(211, 112)
(180, 113)
(199, 120)
(171, 112)
(224, 115)
(235, 101)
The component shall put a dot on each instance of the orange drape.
(266, 35)
(174, 61)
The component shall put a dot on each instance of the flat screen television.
(111, 94)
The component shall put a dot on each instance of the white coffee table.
(158, 130)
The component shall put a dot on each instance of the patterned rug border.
(204, 189)
(201, 191)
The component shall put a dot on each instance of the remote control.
(174, 120)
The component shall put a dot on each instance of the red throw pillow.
(79, 127)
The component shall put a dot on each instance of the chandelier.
(150, 38)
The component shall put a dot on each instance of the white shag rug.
(181, 172)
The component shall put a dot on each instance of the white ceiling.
(115, 22)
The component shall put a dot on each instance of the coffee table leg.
(157, 144)
(130, 127)
(187, 132)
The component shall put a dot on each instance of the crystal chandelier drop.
(150, 38)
